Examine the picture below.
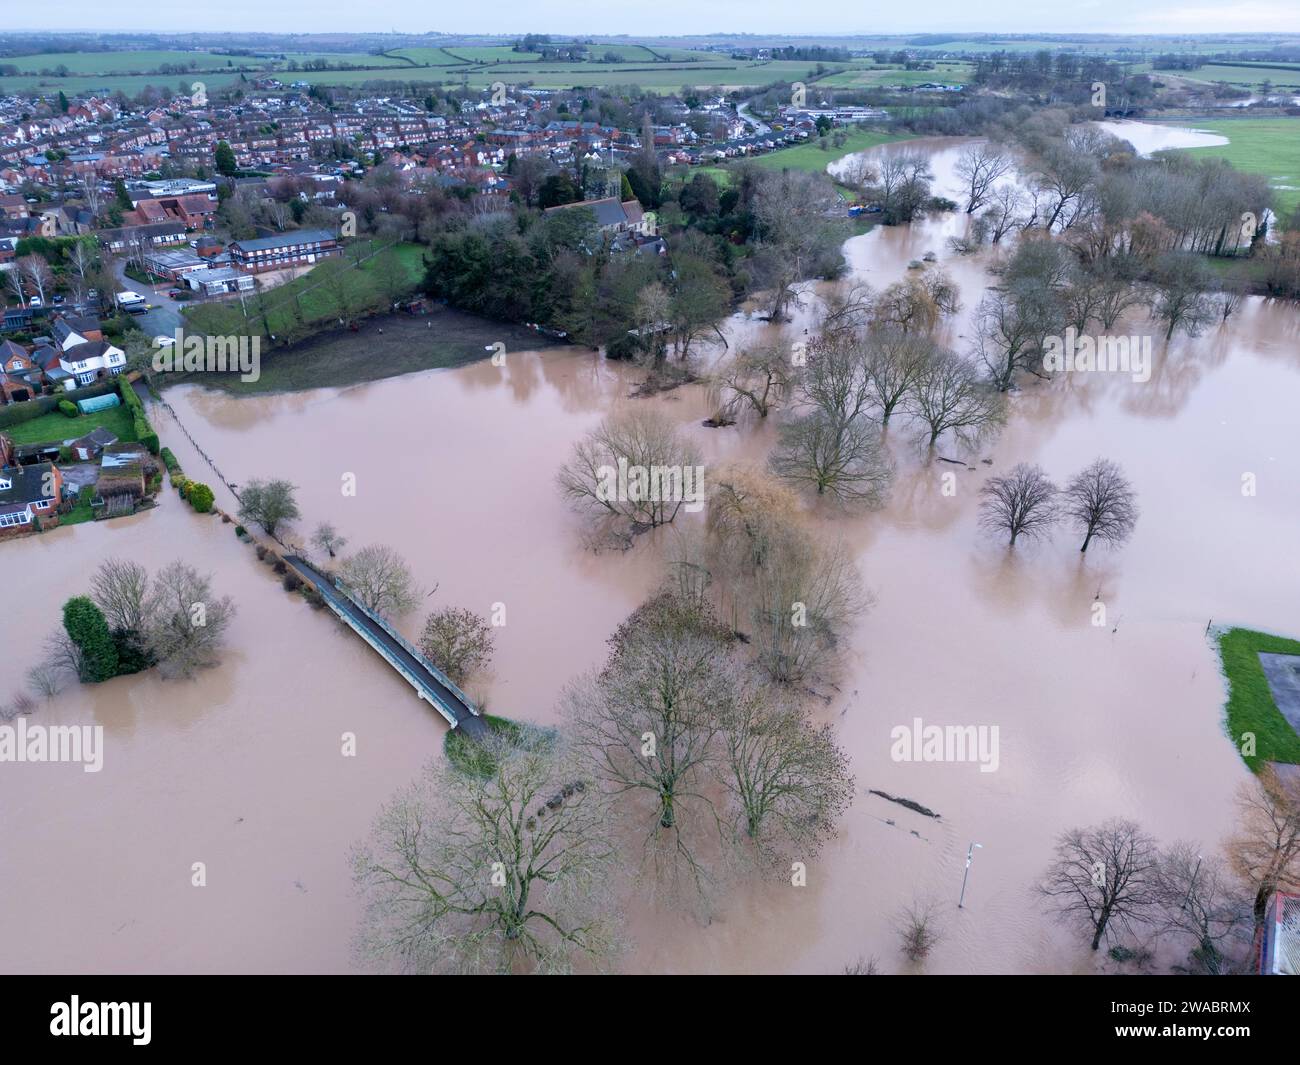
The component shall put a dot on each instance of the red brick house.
(30, 497)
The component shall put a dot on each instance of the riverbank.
(384, 346)
(1251, 709)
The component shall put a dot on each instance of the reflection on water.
(242, 769)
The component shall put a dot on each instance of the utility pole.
(970, 853)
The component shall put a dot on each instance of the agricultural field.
(133, 62)
(1268, 146)
(1242, 75)
(869, 77)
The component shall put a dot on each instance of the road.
(756, 125)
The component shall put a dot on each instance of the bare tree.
(844, 459)
(1004, 212)
(666, 688)
(185, 622)
(760, 377)
(800, 228)
(505, 871)
(326, 538)
(803, 598)
(918, 303)
(918, 932)
(789, 781)
(634, 467)
(1023, 503)
(1104, 877)
(36, 272)
(1181, 297)
(380, 580)
(979, 166)
(120, 589)
(949, 397)
(1101, 503)
(1265, 849)
(895, 362)
(457, 641)
(1202, 901)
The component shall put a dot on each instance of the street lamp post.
(970, 853)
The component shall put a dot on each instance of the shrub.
(86, 627)
(65, 454)
(169, 461)
(200, 497)
(241, 532)
(292, 582)
(68, 409)
(280, 567)
(261, 550)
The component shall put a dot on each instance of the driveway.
(164, 315)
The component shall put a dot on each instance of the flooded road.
(241, 769)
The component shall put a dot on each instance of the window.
(21, 518)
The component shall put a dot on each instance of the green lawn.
(812, 158)
(55, 426)
(1250, 706)
(1267, 146)
(82, 511)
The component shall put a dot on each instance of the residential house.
(20, 377)
(29, 497)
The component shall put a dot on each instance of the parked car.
(57, 298)
(35, 301)
(175, 293)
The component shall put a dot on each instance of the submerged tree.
(1023, 503)
(1103, 877)
(457, 641)
(186, 623)
(380, 580)
(1265, 849)
(1101, 503)
(789, 780)
(635, 467)
(269, 504)
(505, 871)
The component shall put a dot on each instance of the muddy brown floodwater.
(242, 769)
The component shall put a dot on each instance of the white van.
(132, 301)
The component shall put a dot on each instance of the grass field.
(1268, 146)
(871, 77)
(1243, 75)
(1250, 706)
(381, 347)
(418, 65)
(55, 426)
(812, 158)
(316, 301)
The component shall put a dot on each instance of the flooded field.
(241, 769)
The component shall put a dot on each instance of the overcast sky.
(664, 17)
